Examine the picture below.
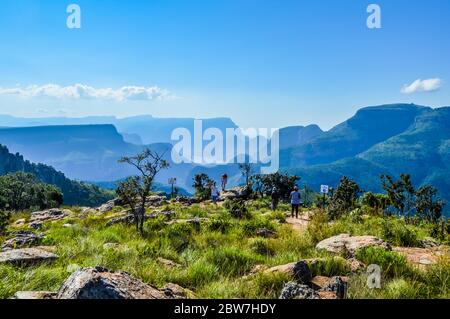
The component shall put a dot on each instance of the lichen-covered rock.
(26, 256)
(299, 270)
(293, 290)
(100, 283)
(346, 243)
(264, 232)
(336, 285)
(423, 257)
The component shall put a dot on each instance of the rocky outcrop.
(347, 244)
(27, 256)
(107, 207)
(233, 193)
(293, 290)
(100, 283)
(49, 214)
(21, 239)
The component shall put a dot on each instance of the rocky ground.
(26, 247)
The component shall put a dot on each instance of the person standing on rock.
(275, 198)
(224, 181)
(295, 201)
(214, 193)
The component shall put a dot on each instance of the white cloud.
(81, 91)
(419, 85)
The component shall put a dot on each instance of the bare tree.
(135, 190)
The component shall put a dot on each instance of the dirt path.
(301, 223)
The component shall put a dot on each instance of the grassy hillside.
(223, 257)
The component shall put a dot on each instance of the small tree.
(427, 206)
(284, 183)
(400, 193)
(135, 190)
(201, 185)
(344, 199)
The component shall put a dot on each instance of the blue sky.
(263, 63)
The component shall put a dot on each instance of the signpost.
(324, 189)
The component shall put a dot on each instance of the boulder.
(233, 193)
(22, 239)
(174, 291)
(30, 295)
(264, 232)
(300, 270)
(346, 243)
(107, 207)
(26, 256)
(338, 286)
(293, 290)
(100, 283)
(37, 225)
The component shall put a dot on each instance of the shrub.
(262, 246)
(399, 234)
(344, 198)
(391, 263)
(250, 227)
(4, 220)
(334, 266)
(231, 261)
(237, 209)
(220, 224)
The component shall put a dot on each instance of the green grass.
(218, 258)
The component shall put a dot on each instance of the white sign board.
(324, 189)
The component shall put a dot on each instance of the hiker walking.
(295, 201)
(214, 193)
(275, 198)
(224, 180)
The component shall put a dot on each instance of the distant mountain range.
(387, 139)
(137, 130)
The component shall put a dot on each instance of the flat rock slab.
(100, 283)
(22, 239)
(49, 214)
(346, 243)
(26, 256)
(423, 257)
